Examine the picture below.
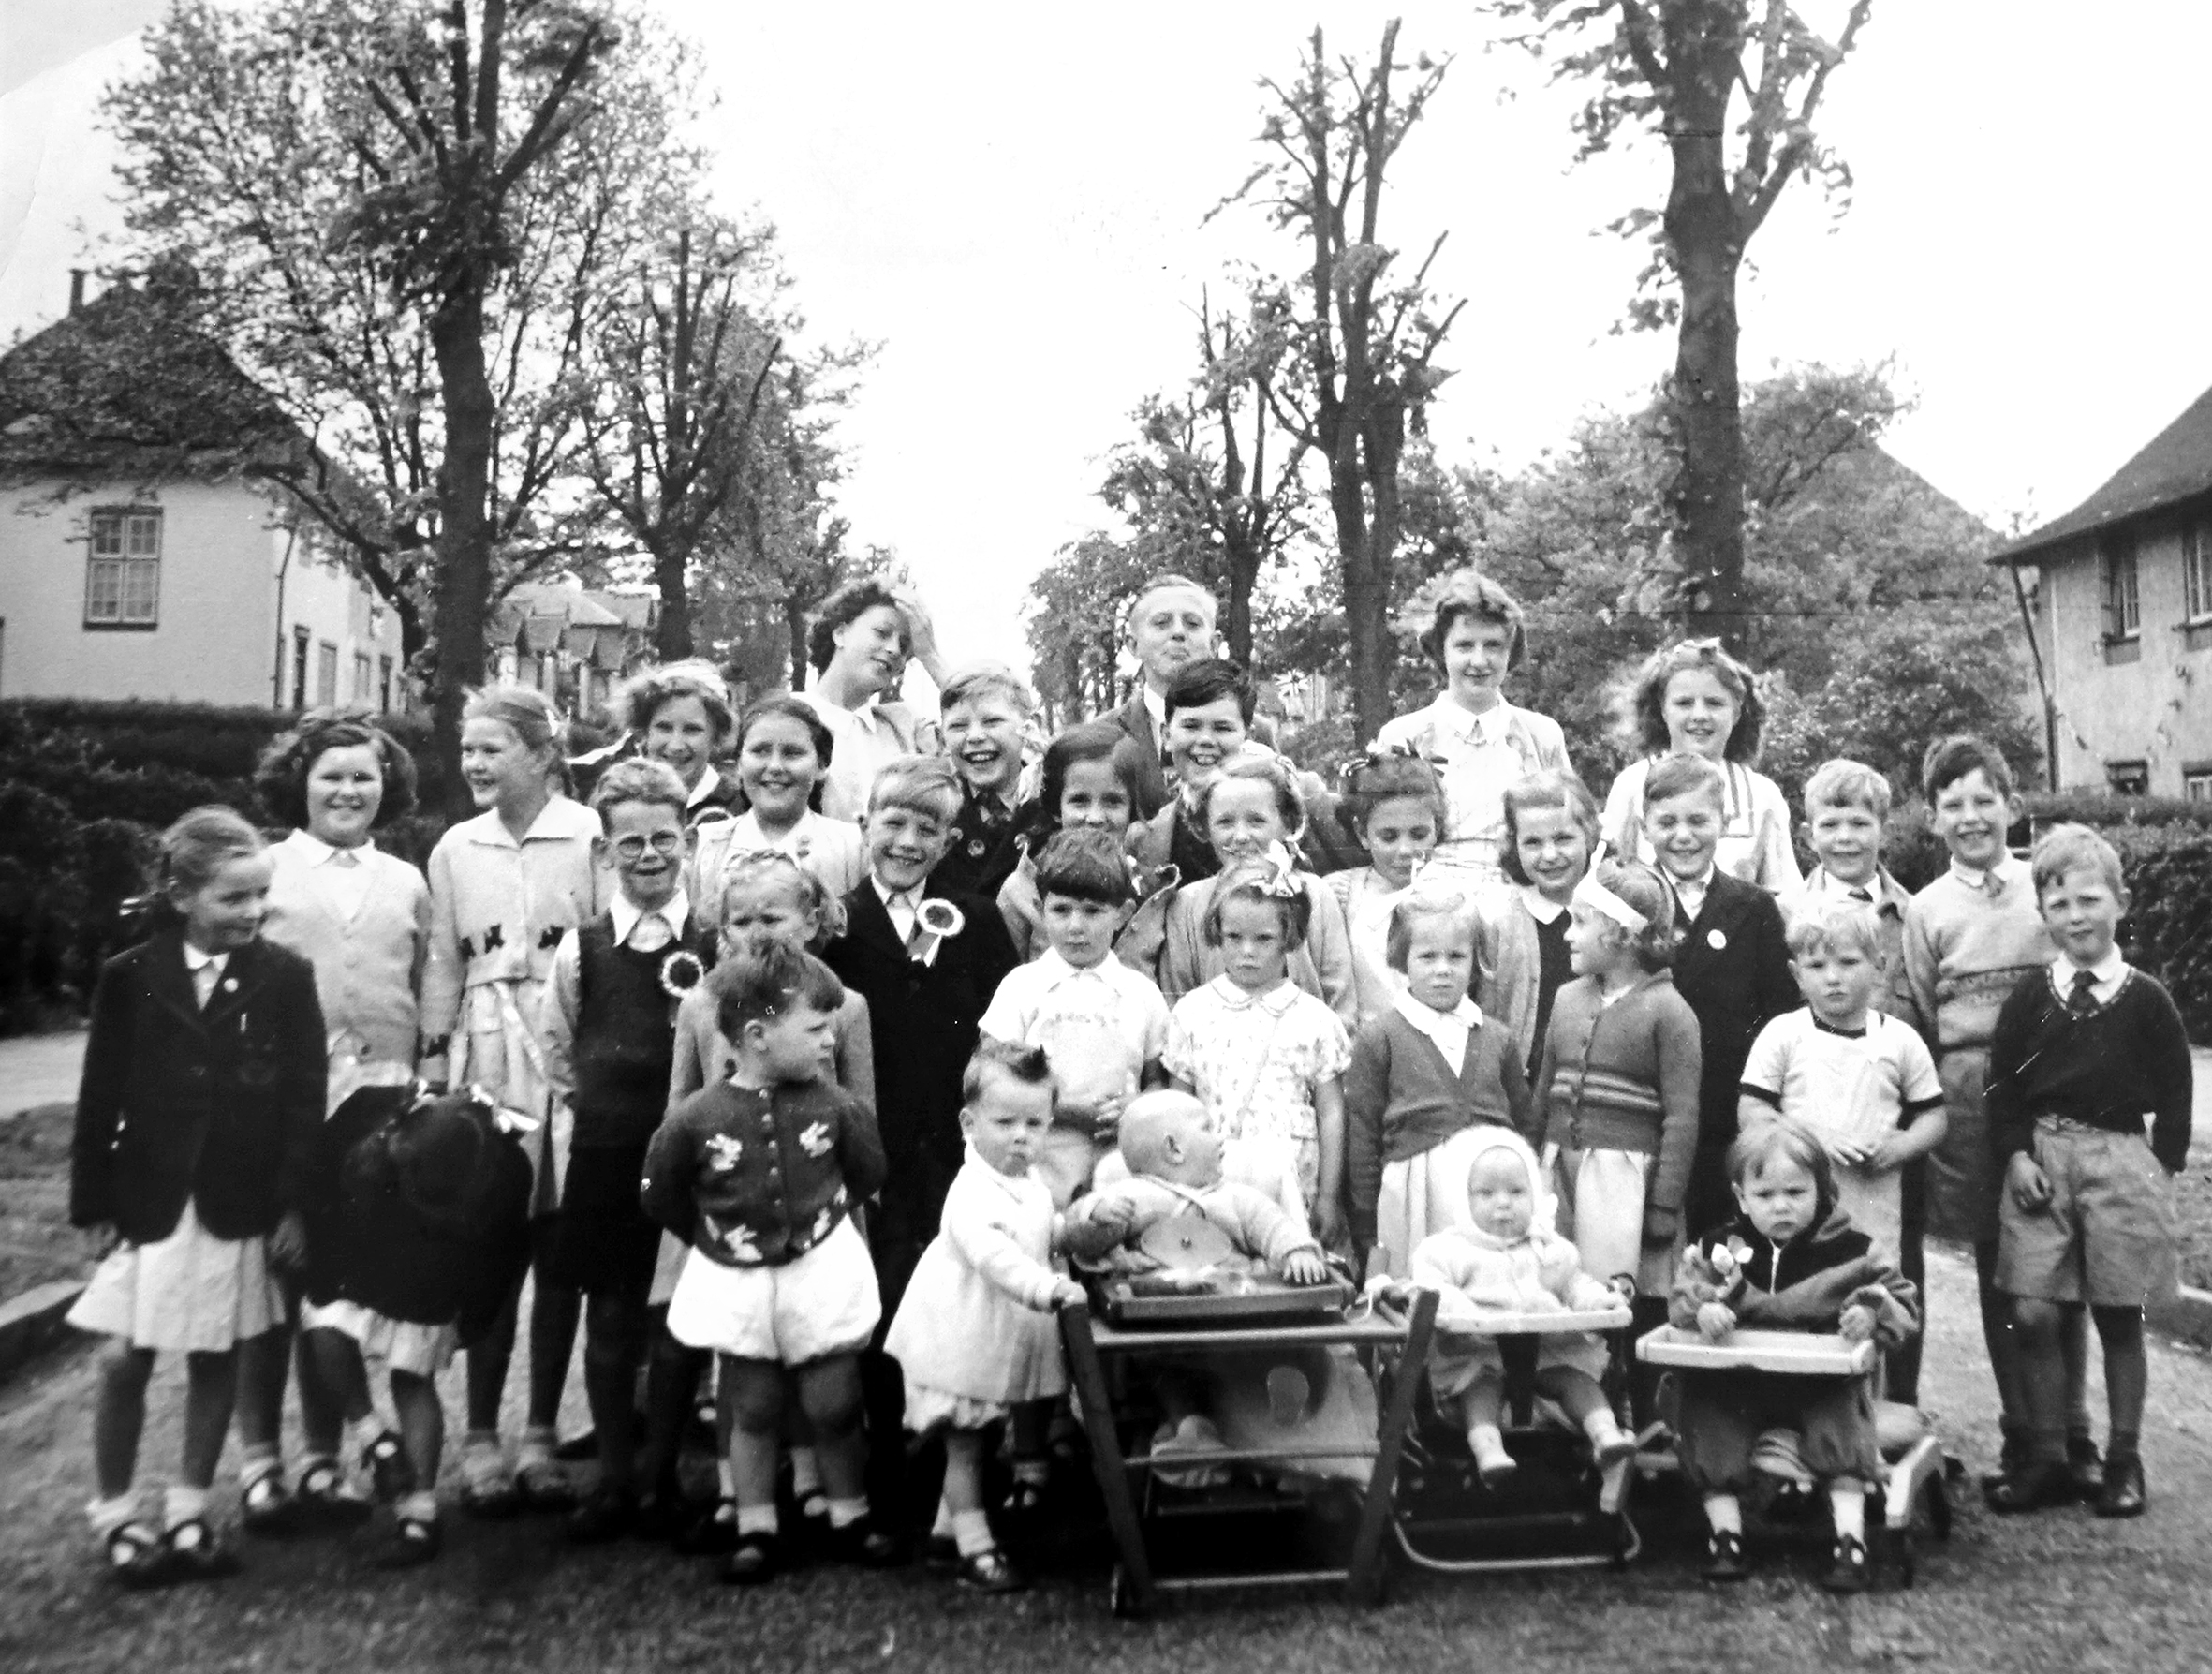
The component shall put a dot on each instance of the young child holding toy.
(1504, 1256)
(1393, 807)
(761, 1174)
(1860, 1081)
(1264, 1057)
(975, 1335)
(1100, 1025)
(1521, 957)
(2083, 1050)
(1423, 1075)
(196, 1120)
(1785, 1262)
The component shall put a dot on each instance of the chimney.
(76, 288)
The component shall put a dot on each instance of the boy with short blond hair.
(1846, 805)
(2085, 1049)
(984, 709)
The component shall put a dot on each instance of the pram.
(1268, 1320)
(1557, 1511)
(1914, 1468)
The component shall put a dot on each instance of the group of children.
(834, 1107)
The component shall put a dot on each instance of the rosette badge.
(934, 920)
(681, 972)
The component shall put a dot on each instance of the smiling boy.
(984, 709)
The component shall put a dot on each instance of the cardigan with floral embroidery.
(756, 1178)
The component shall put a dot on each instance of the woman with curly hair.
(859, 644)
(360, 917)
(1478, 743)
(1693, 699)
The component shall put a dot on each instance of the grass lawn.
(36, 1241)
(2194, 1197)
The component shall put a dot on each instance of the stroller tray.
(1539, 1324)
(1804, 1353)
(1244, 1300)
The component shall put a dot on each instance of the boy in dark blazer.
(927, 984)
(1732, 965)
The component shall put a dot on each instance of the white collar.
(1882, 886)
(1697, 885)
(1989, 880)
(1453, 717)
(1155, 706)
(317, 853)
(1276, 1001)
(1542, 908)
(1460, 1020)
(560, 820)
(626, 912)
(198, 958)
(909, 898)
(709, 781)
(1053, 970)
(2105, 973)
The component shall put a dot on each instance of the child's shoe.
(1024, 1499)
(2121, 1494)
(265, 1506)
(1492, 1460)
(753, 1558)
(1724, 1555)
(385, 1461)
(539, 1483)
(135, 1554)
(712, 1531)
(487, 1490)
(606, 1514)
(2084, 1464)
(990, 1571)
(662, 1514)
(2032, 1488)
(1193, 1439)
(940, 1554)
(325, 1498)
(1609, 1444)
(1847, 1566)
(864, 1544)
(410, 1543)
(192, 1553)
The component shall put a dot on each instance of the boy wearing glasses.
(609, 1033)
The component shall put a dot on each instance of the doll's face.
(1500, 1197)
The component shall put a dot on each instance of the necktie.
(1863, 895)
(2081, 999)
(345, 857)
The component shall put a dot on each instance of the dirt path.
(2059, 1592)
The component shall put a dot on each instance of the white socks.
(844, 1513)
(1724, 1515)
(806, 1472)
(971, 1534)
(756, 1519)
(1491, 1459)
(1846, 1504)
(726, 1477)
(107, 1515)
(180, 1505)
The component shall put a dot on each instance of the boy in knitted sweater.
(1970, 937)
(2083, 1050)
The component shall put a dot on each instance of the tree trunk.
(464, 533)
(1366, 590)
(672, 640)
(795, 622)
(1703, 397)
(1243, 565)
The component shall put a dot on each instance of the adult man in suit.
(1170, 625)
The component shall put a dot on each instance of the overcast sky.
(1011, 201)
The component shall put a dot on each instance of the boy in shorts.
(2085, 1048)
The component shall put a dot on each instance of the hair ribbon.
(1599, 899)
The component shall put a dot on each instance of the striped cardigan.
(1624, 1077)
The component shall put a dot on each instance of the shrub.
(2047, 807)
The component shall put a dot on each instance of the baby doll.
(1507, 1259)
(1788, 1262)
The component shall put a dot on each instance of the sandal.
(324, 1497)
(412, 1541)
(265, 1506)
(990, 1571)
(491, 1502)
(136, 1556)
(194, 1554)
(385, 1461)
(751, 1561)
(1024, 1499)
(540, 1485)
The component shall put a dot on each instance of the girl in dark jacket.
(202, 1092)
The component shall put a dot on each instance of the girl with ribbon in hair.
(503, 888)
(1616, 1089)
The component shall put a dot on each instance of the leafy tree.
(388, 207)
(670, 394)
(1364, 348)
(1675, 68)
(1075, 622)
(1202, 490)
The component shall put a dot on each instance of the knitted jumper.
(625, 1037)
(2104, 1069)
(1965, 952)
(1401, 1099)
(368, 967)
(1624, 1077)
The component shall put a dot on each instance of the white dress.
(974, 1334)
(1253, 1059)
(191, 1292)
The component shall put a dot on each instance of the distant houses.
(148, 548)
(2123, 621)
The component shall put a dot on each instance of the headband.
(1598, 899)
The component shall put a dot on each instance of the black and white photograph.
(1184, 836)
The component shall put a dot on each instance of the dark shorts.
(600, 1237)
